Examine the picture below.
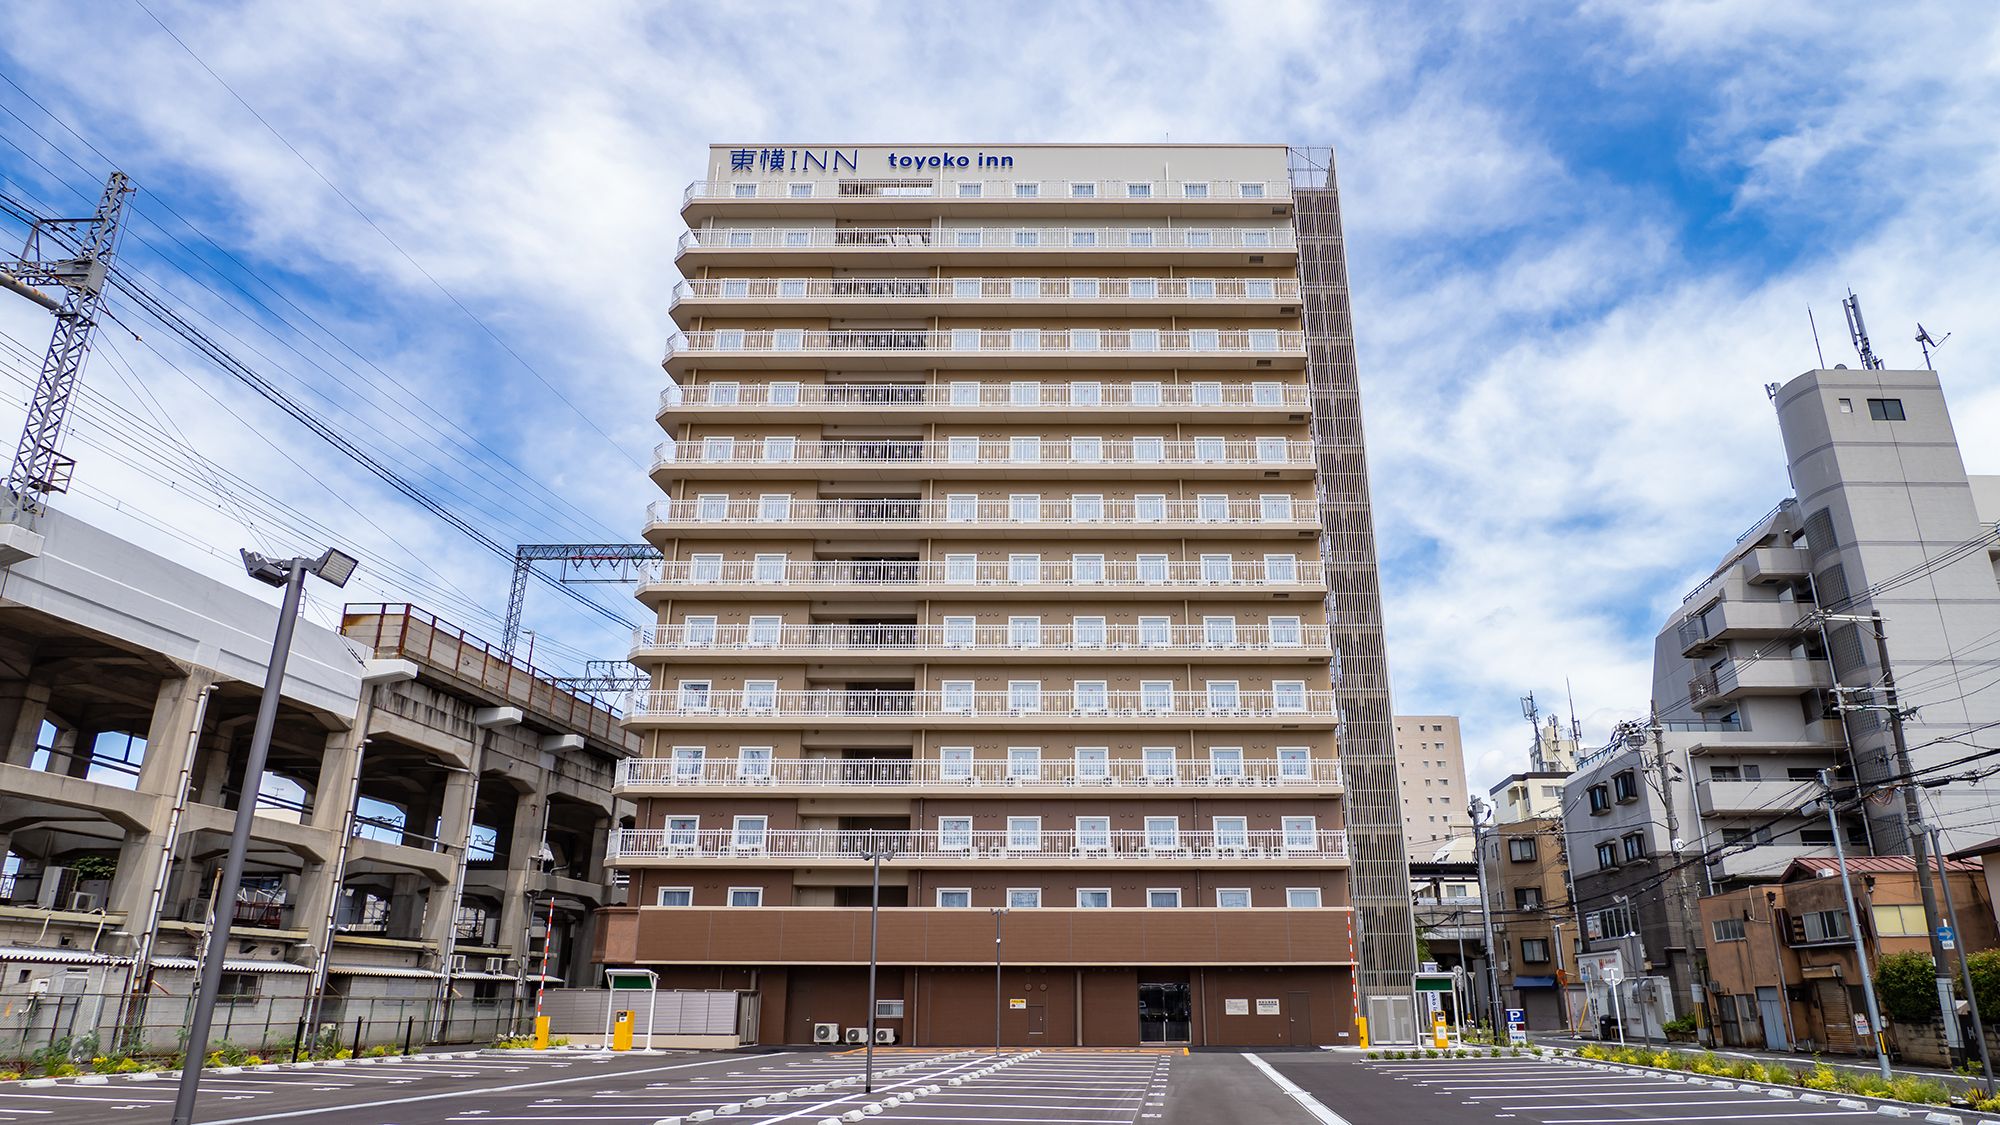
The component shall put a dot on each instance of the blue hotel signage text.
(836, 161)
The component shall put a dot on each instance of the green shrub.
(1906, 985)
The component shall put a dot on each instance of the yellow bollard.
(1361, 1029)
(621, 1032)
(541, 1033)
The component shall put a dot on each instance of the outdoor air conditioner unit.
(857, 1035)
(457, 963)
(826, 1033)
(83, 902)
(51, 890)
(496, 964)
(885, 1035)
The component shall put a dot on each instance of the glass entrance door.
(1166, 1012)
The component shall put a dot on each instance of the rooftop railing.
(919, 187)
(1115, 574)
(1017, 394)
(868, 773)
(825, 703)
(1066, 512)
(999, 289)
(1065, 452)
(1115, 845)
(993, 341)
(1012, 239)
(1021, 638)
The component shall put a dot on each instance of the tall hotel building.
(1007, 494)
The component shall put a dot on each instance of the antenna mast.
(1533, 715)
(80, 267)
(1817, 350)
(1925, 342)
(1859, 331)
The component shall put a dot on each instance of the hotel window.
(760, 695)
(1260, 287)
(1084, 339)
(1139, 237)
(970, 189)
(955, 763)
(1025, 339)
(676, 896)
(970, 237)
(1026, 392)
(780, 448)
(1149, 450)
(1083, 238)
(1152, 569)
(965, 394)
(1083, 190)
(1263, 339)
(748, 833)
(965, 288)
(1144, 339)
(1144, 288)
(955, 898)
(746, 896)
(699, 630)
(694, 695)
(1232, 831)
(1212, 507)
(1156, 696)
(1024, 632)
(1301, 833)
(1160, 763)
(1285, 631)
(1232, 898)
(1225, 761)
(705, 568)
(1027, 189)
(1087, 632)
(1082, 288)
(1224, 696)
(961, 450)
(1093, 763)
(956, 696)
(792, 287)
(961, 507)
(742, 238)
(1093, 898)
(1027, 238)
(1294, 761)
(1093, 832)
(766, 630)
(1281, 568)
(961, 568)
(1024, 507)
(1024, 898)
(960, 631)
(965, 339)
(1086, 394)
(718, 448)
(683, 831)
(1535, 951)
(1211, 450)
(712, 507)
(789, 339)
(1024, 568)
(1272, 450)
(798, 238)
(1194, 236)
(1254, 190)
(1024, 450)
(1024, 763)
(1139, 190)
(1216, 569)
(1267, 394)
(1201, 287)
(774, 507)
(1163, 832)
(1087, 570)
(1146, 394)
(1218, 632)
(1163, 898)
(1204, 340)
(1024, 833)
(1194, 190)
(1302, 898)
(1274, 508)
(1150, 508)
(753, 762)
(1091, 697)
(1207, 394)
(954, 833)
(1257, 237)
(764, 568)
(1156, 631)
(1087, 450)
(1026, 288)
(745, 191)
(1024, 696)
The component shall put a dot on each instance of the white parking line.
(1715, 1117)
(1765, 1101)
(1307, 1101)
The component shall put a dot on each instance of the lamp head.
(271, 572)
(335, 567)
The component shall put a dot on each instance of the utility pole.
(1854, 924)
(1663, 777)
(1964, 968)
(1478, 809)
(40, 468)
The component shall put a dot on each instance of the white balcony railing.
(1026, 639)
(1066, 240)
(1116, 845)
(834, 703)
(995, 289)
(992, 341)
(921, 187)
(1025, 574)
(1026, 513)
(870, 773)
(1017, 395)
(1077, 452)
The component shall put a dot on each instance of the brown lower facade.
(1093, 978)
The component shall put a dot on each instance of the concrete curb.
(1886, 1107)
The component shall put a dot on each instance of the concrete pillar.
(69, 755)
(147, 856)
(23, 706)
(333, 794)
(413, 902)
(524, 870)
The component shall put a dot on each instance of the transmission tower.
(74, 254)
(607, 562)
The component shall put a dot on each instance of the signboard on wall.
(1267, 1007)
(1236, 1007)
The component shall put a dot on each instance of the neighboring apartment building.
(1007, 490)
(1430, 779)
(1885, 518)
(127, 706)
(1527, 887)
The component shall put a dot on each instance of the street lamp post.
(875, 854)
(1854, 925)
(336, 568)
(1479, 812)
(999, 912)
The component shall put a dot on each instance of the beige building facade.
(1430, 777)
(993, 534)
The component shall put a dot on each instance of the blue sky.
(1581, 240)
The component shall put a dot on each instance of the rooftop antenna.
(1530, 713)
(1857, 329)
(1817, 350)
(1926, 342)
(1575, 728)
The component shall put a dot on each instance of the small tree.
(1906, 984)
(1985, 968)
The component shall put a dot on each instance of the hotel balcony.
(1053, 458)
(977, 644)
(1774, 565)
(1022, 246)
(645, 847)
(1066, 297)
(1045, 519)
(916, 349)
(933, 776)
(1738, 679)
(817, 707)
(921, 196)
(1764, 796)
(1738, 620)
(1819, 736)
(960, 401)
(1111, 580)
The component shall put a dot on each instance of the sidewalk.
(1857, 1063)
